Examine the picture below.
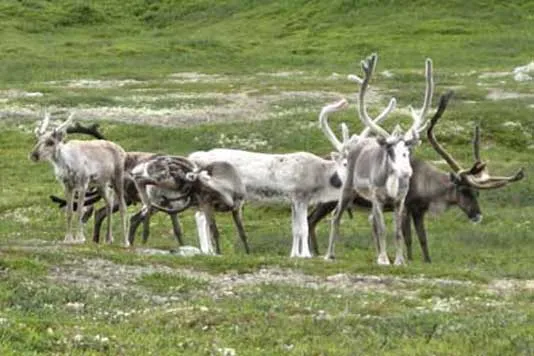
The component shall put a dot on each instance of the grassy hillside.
(178, 76)
(64, 39)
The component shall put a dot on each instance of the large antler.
(419, 123)
(323, 122)
(368, 67)
(91, 130)
(477, 176)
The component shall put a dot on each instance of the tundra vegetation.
(182, 76)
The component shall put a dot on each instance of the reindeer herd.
(373, 170)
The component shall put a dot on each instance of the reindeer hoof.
(329, 257)
(383, 260)
(400, 261)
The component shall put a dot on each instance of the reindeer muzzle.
(34, 156)
(476, 219)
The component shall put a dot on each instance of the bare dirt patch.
(100, 274)
(141, 102)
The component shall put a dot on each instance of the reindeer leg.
(204, 234)
(214, 230)
(69, 197)
(320, 211)
(80, 237)
(299, 212)
(237, 215)
(146, 225)
(379, 232)
(399, 238)
(87, 213)
(118, 187)
(419, 223)
(407, 232)
(100, 215)
(334, 225)
(135, 220)
(108, 198)
(176, 228)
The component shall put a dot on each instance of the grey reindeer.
(79, 165)
(431, 190)
(379, 168)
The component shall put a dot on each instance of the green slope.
(46, 40)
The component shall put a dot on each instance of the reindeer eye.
(49, 142)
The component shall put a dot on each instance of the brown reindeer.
(175, 183)
(432, 190)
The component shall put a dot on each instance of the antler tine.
(345, 132)
(379, 118)
(368, 67)
(63, 126)
(476, 144)
(444, 100)
(419, 123)
(494, 182)
(323, 122)
(41, 127)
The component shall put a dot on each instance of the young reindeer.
(174, 183)
(299, 178)
(379, 169)
(430, 190)
(78, 165)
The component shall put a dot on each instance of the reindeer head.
(397, 144)
(48, 140)
(467, 182)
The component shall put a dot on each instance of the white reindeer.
(379, 169)
(299, 178)
(78, 165)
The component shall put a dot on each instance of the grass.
(271, 65)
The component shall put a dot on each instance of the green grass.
(476, 296)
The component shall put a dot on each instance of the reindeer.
(174, 183)
(430, 190)
(299, 178)
(130, 191)
(80, 164)
(379, 169)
